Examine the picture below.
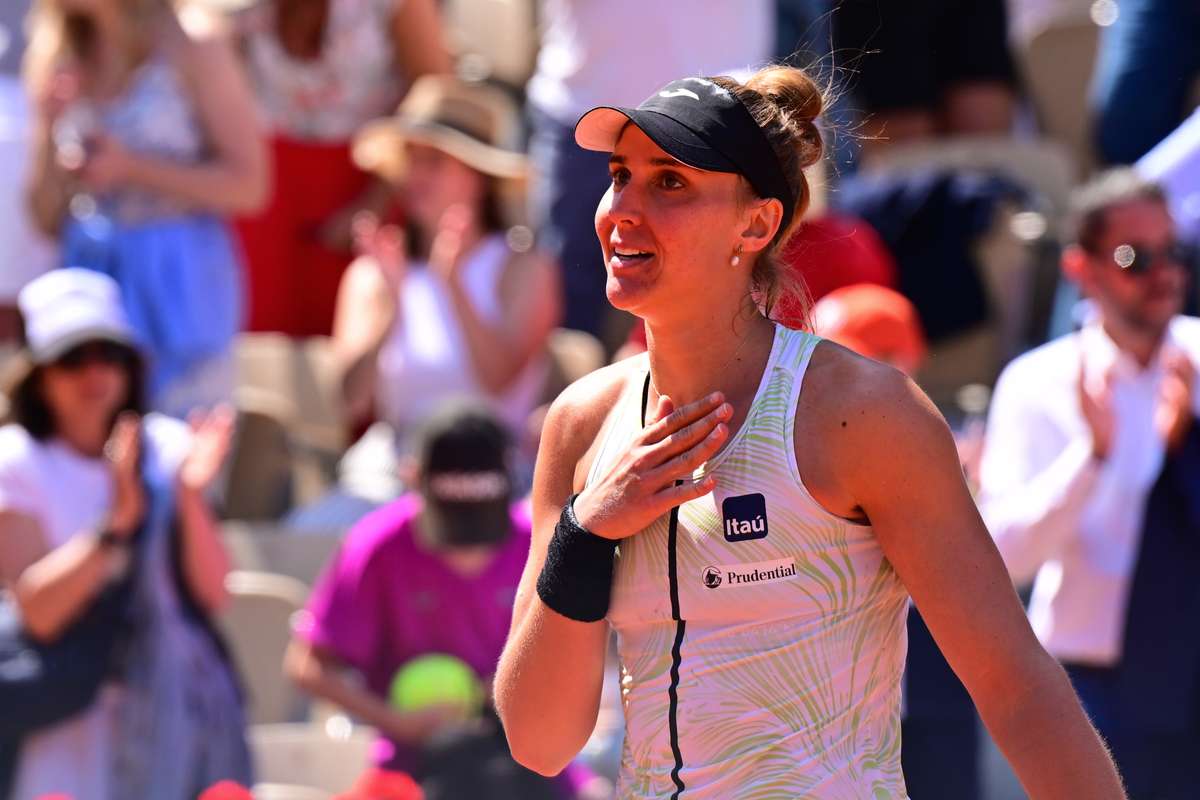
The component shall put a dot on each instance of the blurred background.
(364, 228)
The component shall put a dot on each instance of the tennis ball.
(436, 679)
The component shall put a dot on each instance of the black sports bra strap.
(645, 397)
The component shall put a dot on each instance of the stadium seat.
(287, 791)
(1013, 277)
(296, 383)
(493, 39)
(572, 354)
(266, 547)
(1042, 165)
(260, 480)
(1057, 64)
(257, 626)
(306, 754)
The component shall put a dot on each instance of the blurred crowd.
(286, 287)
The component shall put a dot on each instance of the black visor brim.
(600, 128)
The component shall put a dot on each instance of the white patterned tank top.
(762, 639)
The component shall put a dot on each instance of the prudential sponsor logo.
(732, 576)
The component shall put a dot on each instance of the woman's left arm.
(203, 555)
(418, 39)
(897, 459)
(234, 180)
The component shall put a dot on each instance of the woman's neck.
(117, 52)
(688, 361)
(471, 238)
(87, 438)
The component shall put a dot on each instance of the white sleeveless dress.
(762, 639)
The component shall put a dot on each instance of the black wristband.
(576, 580)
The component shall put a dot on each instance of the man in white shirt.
(1089, 481)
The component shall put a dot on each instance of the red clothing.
(292, 278)
(828, 252)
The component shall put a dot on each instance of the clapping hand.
(1096, 405)
(385, 246)
(1173, 413)
(450, 242)
(123, 451)
(211, 435)
(58, 91)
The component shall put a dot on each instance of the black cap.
(703, 125)
(462, 456)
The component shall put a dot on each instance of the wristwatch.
(111, 540)
(119, 552)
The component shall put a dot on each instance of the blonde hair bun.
(799, 101)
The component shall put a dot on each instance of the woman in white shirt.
(80, 474)
(455, 306)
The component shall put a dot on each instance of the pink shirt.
(385, 600)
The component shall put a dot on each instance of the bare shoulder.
(363, 279)
(866, 395)
(577, 416)
(200, 25)
(201, 40)
(854, 416)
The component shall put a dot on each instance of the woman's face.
(668, 233)
(434, 181)
(88, 384)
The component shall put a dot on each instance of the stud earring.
(737, 257)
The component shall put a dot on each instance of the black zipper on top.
(680, 627)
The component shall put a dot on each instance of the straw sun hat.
(477, 124)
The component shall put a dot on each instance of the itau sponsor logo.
(731, 576)
(745, 517)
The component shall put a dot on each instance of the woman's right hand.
(640, 487)
(384, 245)
(57, 92)
(123, 451)
(418, 727)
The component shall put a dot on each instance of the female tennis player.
(750, 507)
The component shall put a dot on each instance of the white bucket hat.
(67, 307)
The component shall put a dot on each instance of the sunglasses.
(99, 352)
(1139, 259)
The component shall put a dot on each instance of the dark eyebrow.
(657, 161)
(673, 163)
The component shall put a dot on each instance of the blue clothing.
(178, 269)
(1148, 706)
(180, 724)
(564, 198)
(939, 742)
(941, 758)
(1154, 765)
(1146, 68)
(930, 221)
(180, 282)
